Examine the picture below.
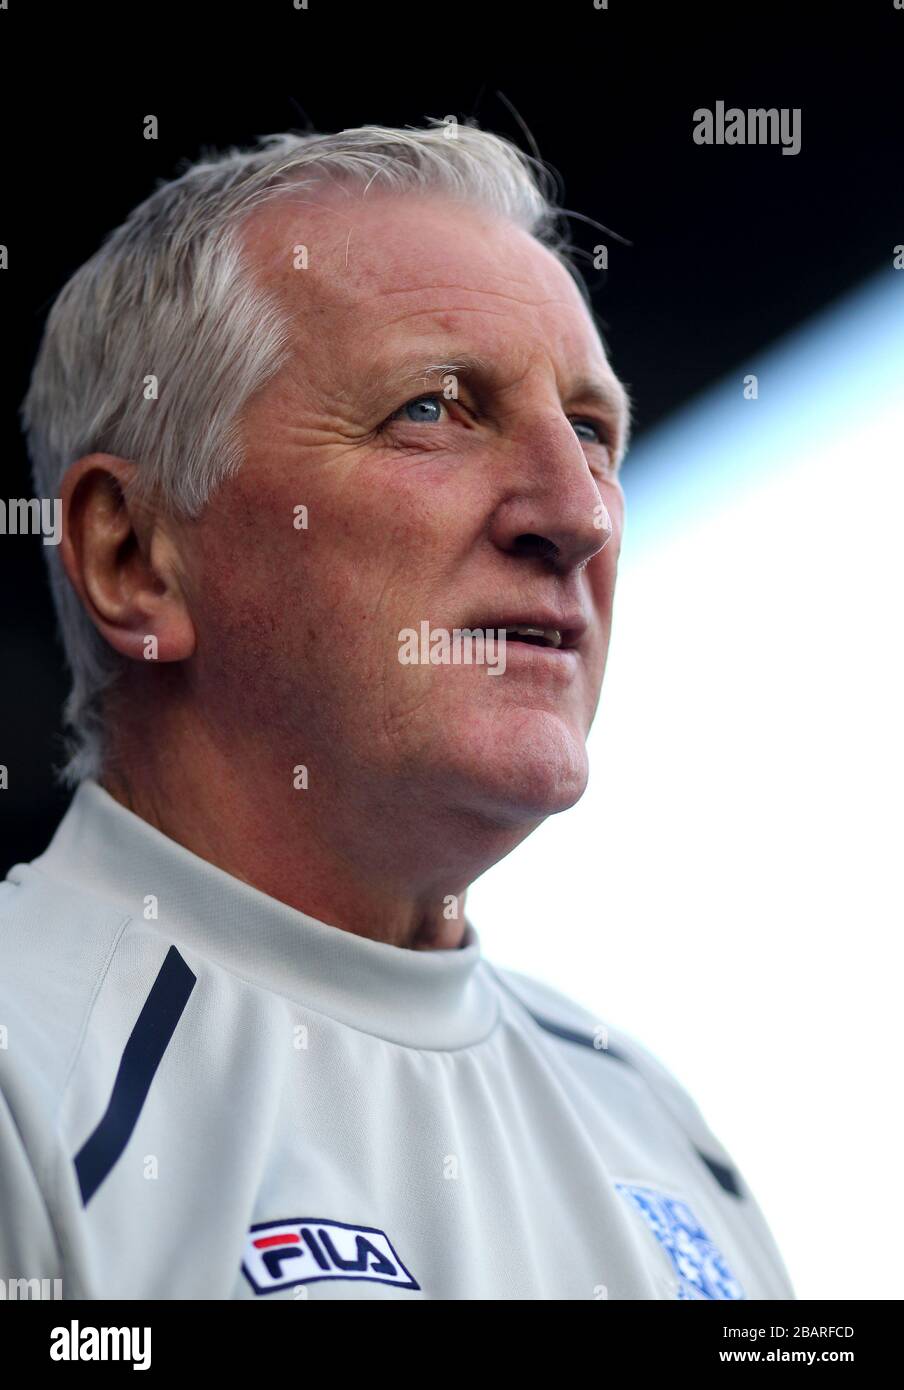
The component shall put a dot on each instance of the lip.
(561, 660)
(571, 625)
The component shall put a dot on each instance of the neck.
(366, 860)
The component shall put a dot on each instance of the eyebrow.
(461, 362)
(609, 395)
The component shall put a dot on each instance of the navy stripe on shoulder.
(582, 1039)
(147, 1043)
(558, 1029)
(725, 1176)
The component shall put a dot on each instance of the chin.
(527, 766)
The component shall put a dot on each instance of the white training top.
(207, 1094)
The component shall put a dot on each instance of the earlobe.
(122, 564)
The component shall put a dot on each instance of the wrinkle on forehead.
(371, 240)
(410, 267)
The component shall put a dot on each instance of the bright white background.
(728, 890)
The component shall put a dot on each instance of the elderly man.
(338, 450)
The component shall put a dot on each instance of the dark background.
(729, 247)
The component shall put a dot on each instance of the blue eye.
(597, 435)
(424, 410)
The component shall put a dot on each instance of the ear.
(123, 562)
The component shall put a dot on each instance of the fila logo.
(280, 1254)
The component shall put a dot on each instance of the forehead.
(382, 269)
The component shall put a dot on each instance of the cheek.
(281, 595)
(244, 590)
(613, 498)
(606, 561)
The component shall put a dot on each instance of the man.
(338, 449)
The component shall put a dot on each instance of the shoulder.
(561, 1016)
(56, 942)
(550, 1006)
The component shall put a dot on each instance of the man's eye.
(598, 433)
(423, 410)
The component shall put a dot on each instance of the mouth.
(545, 627)
(536, 636)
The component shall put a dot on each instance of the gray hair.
(170, 293)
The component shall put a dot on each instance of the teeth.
(550, 634)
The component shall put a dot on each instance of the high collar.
(423, 999)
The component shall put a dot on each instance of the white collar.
(423, 999)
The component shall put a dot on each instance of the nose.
(552, 507)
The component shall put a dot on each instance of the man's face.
(480, 512)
